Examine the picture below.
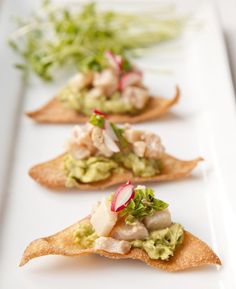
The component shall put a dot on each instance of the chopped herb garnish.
(126, 65)
(97, 120)
(143, 204)
(93, 62)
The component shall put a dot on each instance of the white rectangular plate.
(203, 123)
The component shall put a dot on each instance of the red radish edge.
(116, 59)
(119, 60)
(118, 195)
(98, 112)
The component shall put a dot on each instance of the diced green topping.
(161, 244)
(143, 204)
(97, 120)
(126, 65)
(85, 235)
(94, 63)
(99, 62)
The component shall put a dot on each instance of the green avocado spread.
(142, 167)
(99, 168)
(89, 170)
(84, 102)
(161, 244)
(85, 235)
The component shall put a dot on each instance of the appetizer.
(130, 224)
(100, 154)
(114, 86)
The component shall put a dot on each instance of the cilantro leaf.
(143, 204)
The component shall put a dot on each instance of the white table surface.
(227, 13)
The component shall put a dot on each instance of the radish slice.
(109, 142)
(119, 61)
(122, 197)
(129, 79)
(109, 130)
(115, 60)
(98, 112)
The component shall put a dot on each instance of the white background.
(227, 9)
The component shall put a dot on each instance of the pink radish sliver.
(110, 143)
(130, 79)
(115, 60)
(122, 197)
(109, 130)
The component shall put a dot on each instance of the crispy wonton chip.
(50, 174)
(191, 253)
(55, 112)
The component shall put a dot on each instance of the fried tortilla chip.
(50, 174)
(55, 112)
(191, 253)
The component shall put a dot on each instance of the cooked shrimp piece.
(160, 220)
(103, 219)
(98, 141)
(123, 231)
(139, 148)
(133, 135)
(136, 96)
(154, 148)
(141, 97)
(108, 80)
(131, 79)
(80, 145)
(79, 153)
(111, 245)
(86, 141)
(95, 92)
(81, 80)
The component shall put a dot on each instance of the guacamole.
(142, 167)
(161, 244)
(72, 98)
(85, 235)
(99, 168)
(84, 102)
(89, 170)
